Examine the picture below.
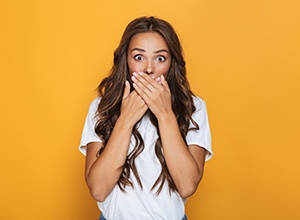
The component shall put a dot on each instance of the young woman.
(146, 137)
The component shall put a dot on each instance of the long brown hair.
(111, 91)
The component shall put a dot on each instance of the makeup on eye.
(138, 57)
(159, 55)
(159, 58)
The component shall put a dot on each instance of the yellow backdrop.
(243, 58)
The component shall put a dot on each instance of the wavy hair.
(111, 90)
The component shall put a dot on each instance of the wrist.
(166, 117)
(124, 124)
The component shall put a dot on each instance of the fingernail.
(134, 73)
(133, 78)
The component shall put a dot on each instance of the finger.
(139, 91)
(140, 84)
(126, 89)
(164, 82)
(139, 101)
(158, 79)
(144, 81)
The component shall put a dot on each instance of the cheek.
(133, 67)
(163, 70)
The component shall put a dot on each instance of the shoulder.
(94, 104)
(199, 102)
(96, 101)
(92, 111)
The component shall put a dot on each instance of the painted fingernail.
(134, 73)
(133, 78)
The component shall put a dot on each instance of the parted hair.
(111, 92)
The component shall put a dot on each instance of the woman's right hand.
(103, 172)
(133, 107)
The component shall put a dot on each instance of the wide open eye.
(161, 58)
(138, 57)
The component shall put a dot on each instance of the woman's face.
(148, 53)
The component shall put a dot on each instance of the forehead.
(148, 40)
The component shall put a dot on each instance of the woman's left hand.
(155, 93)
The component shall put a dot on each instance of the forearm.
(182, 166)
(105, 172)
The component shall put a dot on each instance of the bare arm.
(103, 172)
(185, 164)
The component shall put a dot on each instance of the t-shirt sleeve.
(88, 133)
(201, 137)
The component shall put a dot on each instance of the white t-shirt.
(145, 204)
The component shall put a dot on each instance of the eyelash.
(138, 57)
(162, 58)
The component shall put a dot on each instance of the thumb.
(126, 89)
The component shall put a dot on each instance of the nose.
(149, 67)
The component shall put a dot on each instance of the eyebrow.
(156, 51)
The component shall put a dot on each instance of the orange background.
(243, 58)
